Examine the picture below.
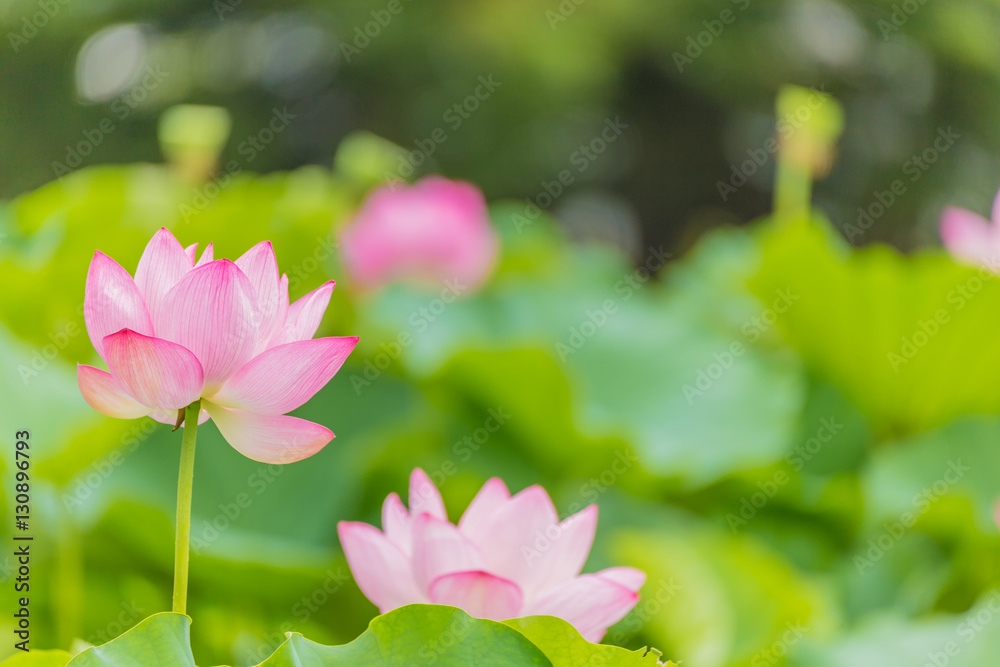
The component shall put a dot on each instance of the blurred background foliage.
(793, 436)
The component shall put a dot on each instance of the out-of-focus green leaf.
(36, 387)
(162, 640)
(908, 339)
(417, 635)
(38, 659)
(929, 537)
(719, 600)
(971, 639)
(957, 463)
(564, 646)
(615, 353)
(366, 158)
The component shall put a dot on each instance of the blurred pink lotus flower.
(217, 330)
(433, 231)
(508, 557)
(971, 237)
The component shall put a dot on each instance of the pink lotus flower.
(434, 231)
(508, 557)
(971, 237)
(217, 330)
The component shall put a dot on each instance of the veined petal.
(112, 302)
(629, 577)
(439, 548)
(282, 317)
(207, 255)
(380, 569)
(518, 539)
(491, 497)
(212, 312)
(163, 263)
(156, 372)
(304, 315)
(192, 252)
(478, 593)
(569, 548)
(282, 378)
(260, 266)
(590, 603)
(269, 438)
(396, 523)
(425, 497)
(107, 395)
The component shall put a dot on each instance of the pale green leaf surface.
(565, 647)
(417, 635)
(162, 640)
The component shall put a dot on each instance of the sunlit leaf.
(908, 339)
(162, 640)
(417, 635)
(564, 646)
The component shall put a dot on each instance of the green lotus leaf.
(564, 646)
(417, 635)
(162, 640)
(908, 339)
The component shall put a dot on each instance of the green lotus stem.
(792, 190)
(809, 124)
(185, 484)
